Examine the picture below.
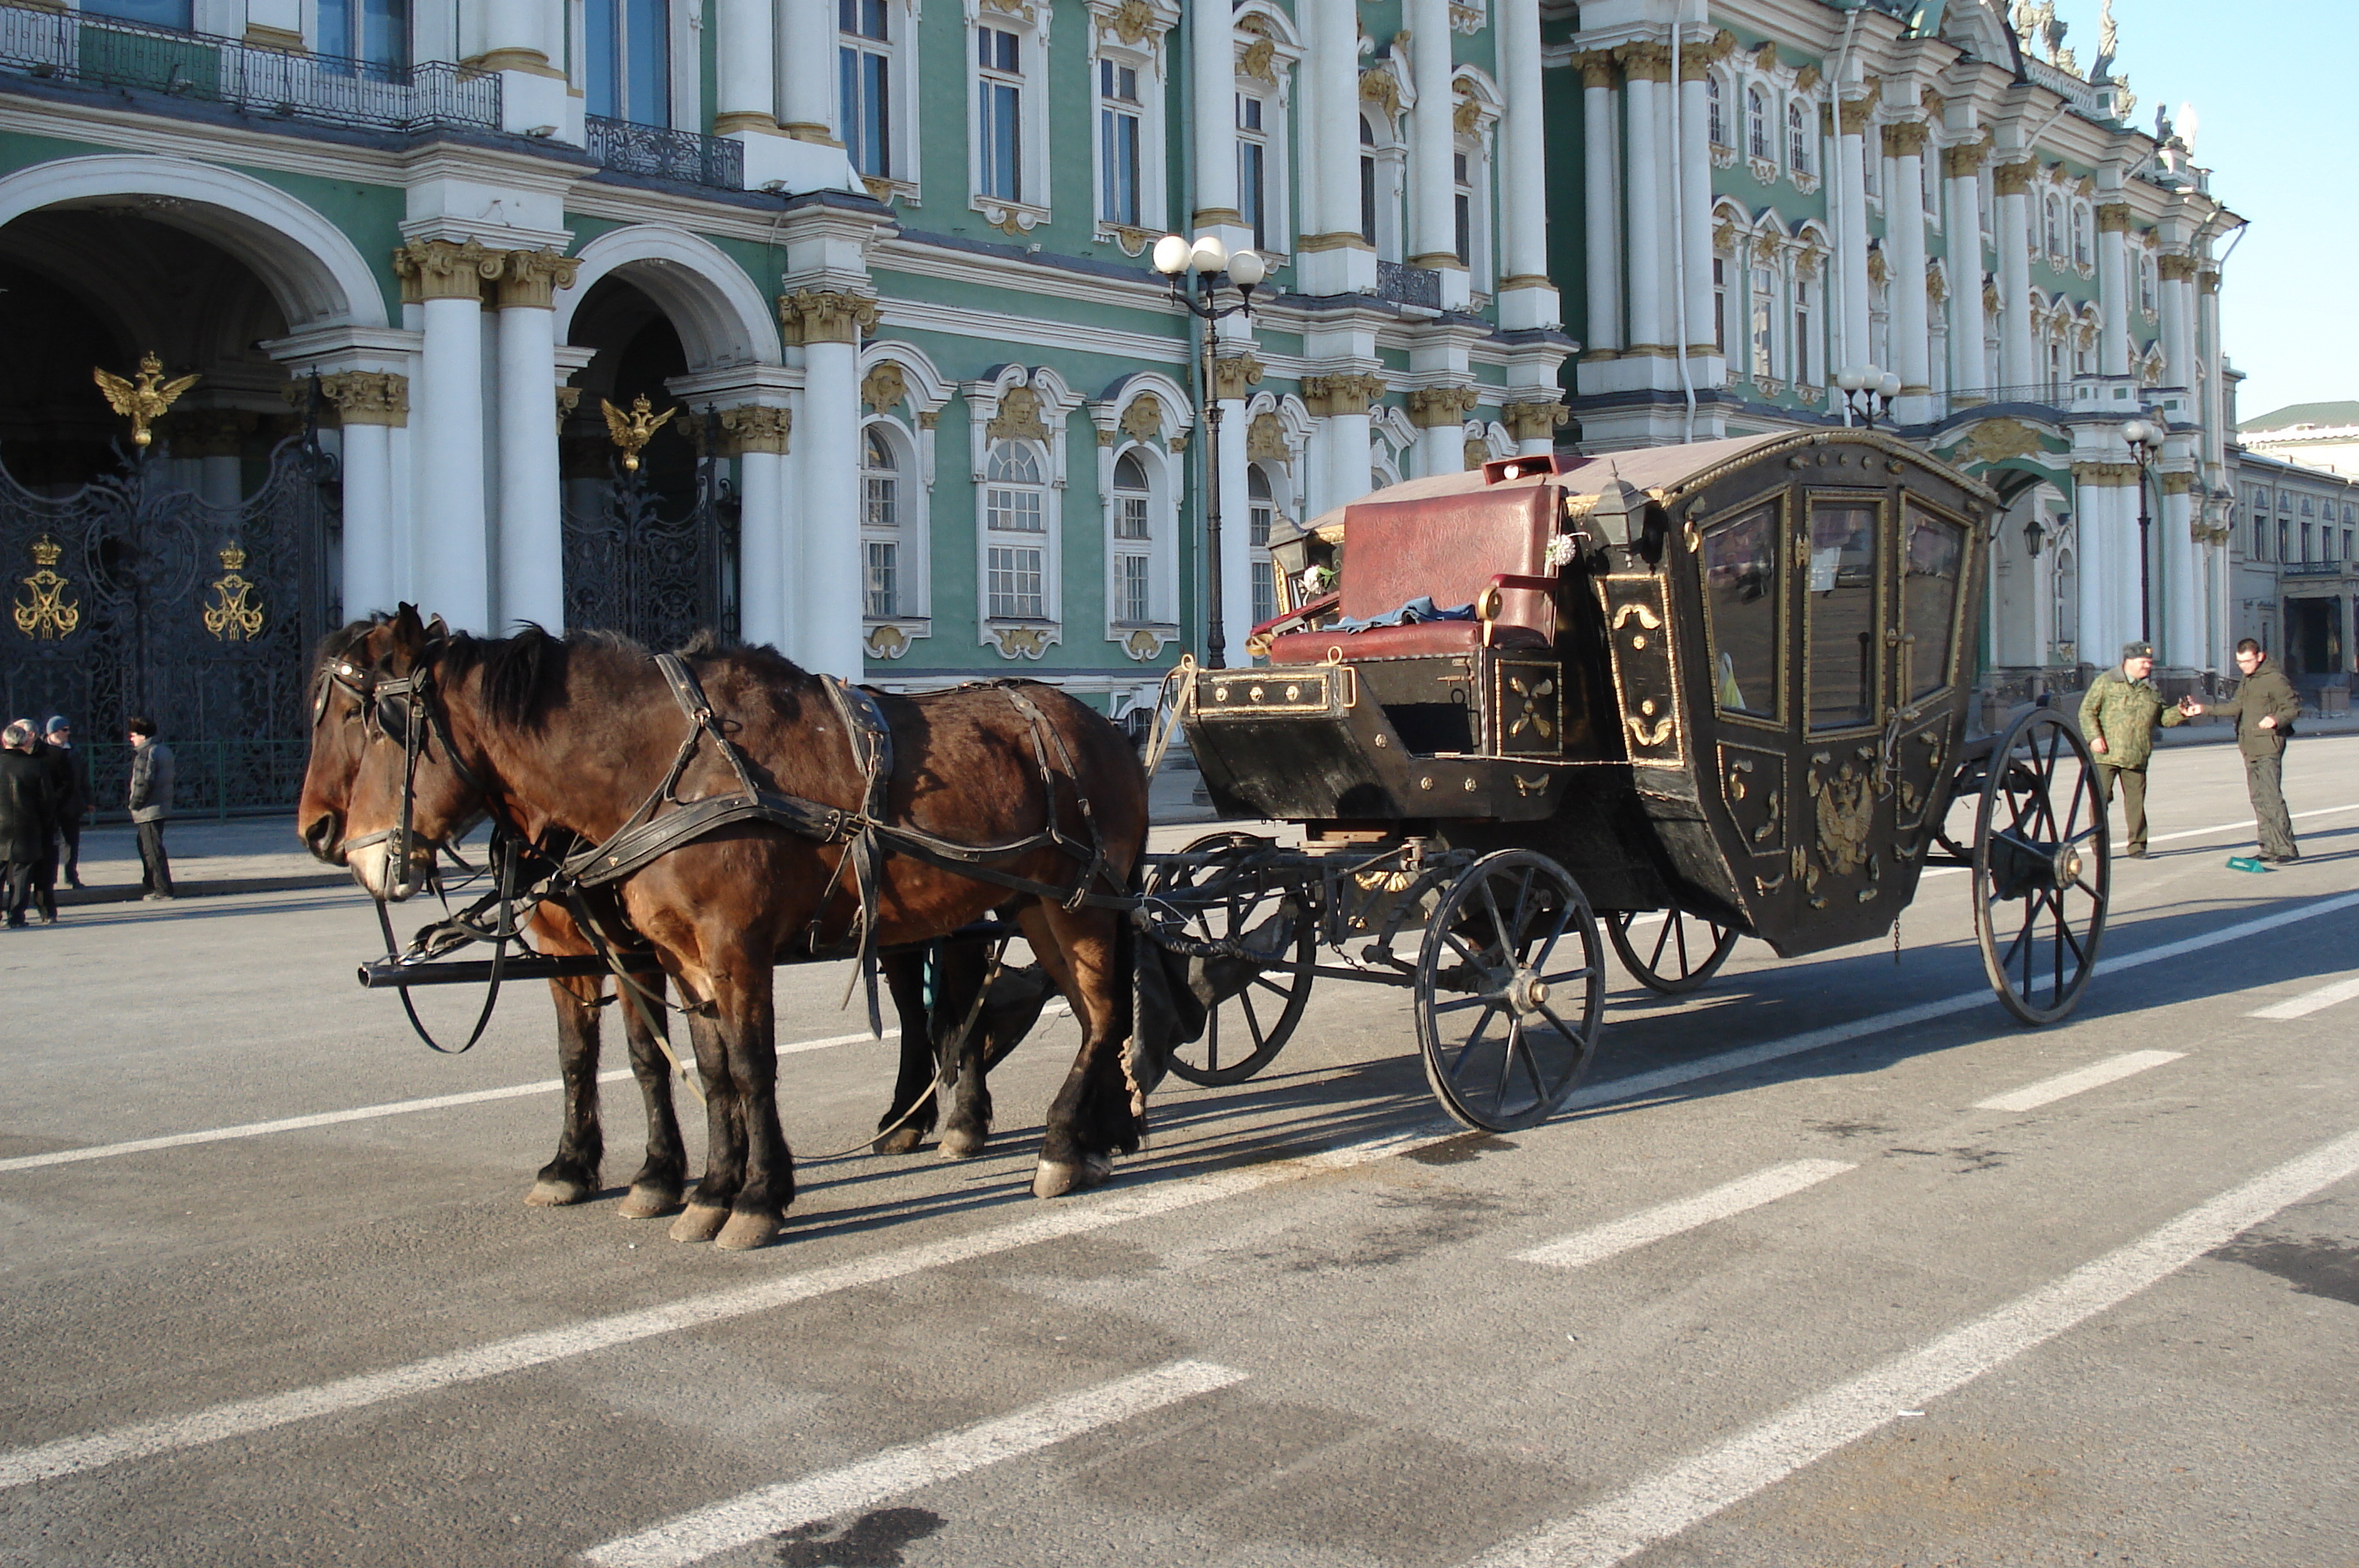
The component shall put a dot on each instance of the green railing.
(217, 779)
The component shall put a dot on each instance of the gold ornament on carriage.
(143, 402)
(233, 616)
(632, 431)
(46, 615)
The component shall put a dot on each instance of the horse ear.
(437, 630)
(408, 632)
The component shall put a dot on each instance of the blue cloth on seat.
(1418, 609)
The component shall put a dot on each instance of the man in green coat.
(2264, 707)
(2117, 720)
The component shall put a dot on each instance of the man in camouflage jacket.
(2117, 720)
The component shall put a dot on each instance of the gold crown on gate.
(233, 559)
(46, 552)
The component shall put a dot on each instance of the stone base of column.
(776, 159)
(1526, 304)
(535, 100)
(1334, 263)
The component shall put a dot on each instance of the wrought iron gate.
(656, 567)
(135, 595)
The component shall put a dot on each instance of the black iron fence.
(216, 778)
(70, 45)
(661, 153)
(1406, 285)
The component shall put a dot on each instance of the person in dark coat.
(77, 801)
(2264, 707)
(151, 806)
(28, 817)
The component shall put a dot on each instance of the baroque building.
(1775, 190)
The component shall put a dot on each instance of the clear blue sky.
(2271, 81)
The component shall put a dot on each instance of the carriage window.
(1742, 610)
(1843, 614)
(1928, 600)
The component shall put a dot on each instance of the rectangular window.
(1130, 517)
(1463, 207)
(1720, 305)
(1801, 332)
(1131, 602)
(1742, 611)
(884, 594)
(1928, 600)
(1253, 168)
(627, 53)
(178, 14)
(865, 85)
(1014, 586)
(373, 31)
(1764, 361)
(999, 135)
(1118, 112)
(1265, 593)
(1841, 596)
(1013, 511)
(1260, 518)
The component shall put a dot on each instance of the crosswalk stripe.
(1636, 1230)
(2031, 1097)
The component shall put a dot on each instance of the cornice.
(1018, 332)
(1044, 278)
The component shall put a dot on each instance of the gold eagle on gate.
(145, 402)
(633, 430)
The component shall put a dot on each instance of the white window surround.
(1150, 435)
(913, 612)
(1479, 146)
(1391, 156)
(1257, 25)
(1029, 23)
(908, 417)
(901, 179)
(1148, 54)
(987, 400)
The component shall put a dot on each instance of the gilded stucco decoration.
(884, 388)
(1018, 420)
(631, 431)
(142, 401)
(1265, 439)
(48, 615)
(1143, 421)
(233, 616)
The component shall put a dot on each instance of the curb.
(220, 889)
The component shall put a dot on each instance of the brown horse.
(568, 738)
(937, 1041)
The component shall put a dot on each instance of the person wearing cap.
(28, 816)
(73, 768)
(2265, 708)
(2117, 719)
(151, 806)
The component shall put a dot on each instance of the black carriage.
(1660, 699)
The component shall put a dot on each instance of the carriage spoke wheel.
(1242, 1034)
(1510, 991)
(1674, 958)
(2042, 868)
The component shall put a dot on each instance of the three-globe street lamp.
(2146, 443)
(1867, 391)
(1197, 272)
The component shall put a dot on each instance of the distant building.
(2298, 527)
(2316, 435)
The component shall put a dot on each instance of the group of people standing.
(45, 793)
(2123, 709)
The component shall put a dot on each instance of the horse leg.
(961, 1041)
(1091, 1119)
(746, 1029)
(663, 1175)
(905, 975)
(725, 1153)
(573, 1176)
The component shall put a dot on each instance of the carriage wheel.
(1687, 951)
(1244, 1033)
(1510, 991)
(2042, 867)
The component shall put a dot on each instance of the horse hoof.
(1055, 1178)
(745, 1232)
(548, 1194)
(900, 1140)
(648, 1203)
(963, 1143)
(701, 1221)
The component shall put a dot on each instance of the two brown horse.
(566, 739)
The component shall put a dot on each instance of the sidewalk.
(243, 854)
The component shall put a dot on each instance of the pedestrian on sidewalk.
(2264, 707)
(76, 804)
(27, 817)
(151, 807)
(2117, 720)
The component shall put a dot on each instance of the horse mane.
(521, 676)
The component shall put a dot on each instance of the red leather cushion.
(1450, 547)
(1386, 642)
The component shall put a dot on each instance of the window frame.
(899, 51)
(1147, 57)
(1030, 207)
(1251, 28)
(910, 533)
(989, 537)
(1159, 549)
(676, 101)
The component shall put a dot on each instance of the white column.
(744, 58)
(370, 582)
(531, 529)
(1212, 66)
(1904, 221)
(1602, 200)
(826, 571)
(768, 569)
(520, 39)
(807, 60)
(2178, 304)
(1851, 315)
(2100, 565)
(2114, 288)
(1526, 299)
(1645, 68)
(1433, 138)
(1332, 257)
(2176, 605)
(1969, 325)
(2215, 383)
(2017, 364)
(1695, 206)
(452, 568)
(1341, 403)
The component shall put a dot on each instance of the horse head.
(408, 791)
(340, 675)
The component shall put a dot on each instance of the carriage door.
(1748, 601)
(1929, 644)
(1843, 814)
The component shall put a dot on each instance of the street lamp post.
(1867, 392)
(1197, 273)
(2145, 442)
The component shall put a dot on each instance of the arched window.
(1797, 137)
(1261, 516)
(1015, 521)
(1715, 112)
(880, 526)
(627, 50)
(1367, 180)
(1757, 124)
(1133, 544)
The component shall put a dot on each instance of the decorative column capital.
(2011, 179)
(1598, 67)
(443, 269)
(1645, 62)
(2207, 282)
(1905, 139)
(1327, 396)
(2176, 268)
(568, 400)
(368, 396)
(2114, 218)
(1852, 115)
(1235, 375)
(2178, 483)
(1534, 420)
(755, 428)
(530, 279)
(2105, 474)
(1433, 407)
(826, 315)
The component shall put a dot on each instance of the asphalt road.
(1785, 1288)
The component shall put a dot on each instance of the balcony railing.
(67, 46)
(661, 153)
(1406, 285)
(2310, 569)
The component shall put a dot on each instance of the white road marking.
(2246, 823)
(2309, 1002)
(1653, 1224)
(239, 1418)
(1639, 1083)
(2031, 1097)
(1693, 1489)
(749, 1517)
